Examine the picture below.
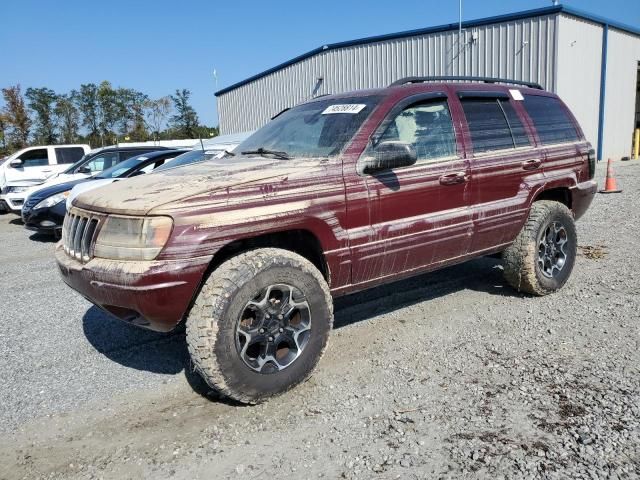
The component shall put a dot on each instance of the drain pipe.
(603, 84)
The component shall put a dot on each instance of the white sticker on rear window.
(344, 108)
(515, 94)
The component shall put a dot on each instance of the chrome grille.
(78, 234)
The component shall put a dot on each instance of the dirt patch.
(593, 252)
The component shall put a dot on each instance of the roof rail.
(406, 80)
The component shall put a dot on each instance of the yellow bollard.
(636, 144)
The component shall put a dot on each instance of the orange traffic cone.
(610, 185)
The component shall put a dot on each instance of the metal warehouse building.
(591, 62)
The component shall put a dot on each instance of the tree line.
(97, 114)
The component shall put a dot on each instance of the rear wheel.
(541, 259)
(260, 324)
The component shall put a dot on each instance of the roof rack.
(406, 80)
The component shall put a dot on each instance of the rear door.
(419, 214)
(504, 161)
(66, 156)
(562, 143)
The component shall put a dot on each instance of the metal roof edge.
(537, 12)
(598, 19)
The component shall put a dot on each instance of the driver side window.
(102, 162)
(428, 127)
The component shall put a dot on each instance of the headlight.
(52, 200)
(131, 238)
(17, 189)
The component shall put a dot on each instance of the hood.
(139, 195)
(86, 186)
(45, 191)
(63, 178)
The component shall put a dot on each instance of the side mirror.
(389, 155)
(85, 170)
(17, 163)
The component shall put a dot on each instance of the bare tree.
(157, 112)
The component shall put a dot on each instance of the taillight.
(591, 156)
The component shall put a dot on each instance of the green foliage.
(68, 117)
(98, 114)
(16, 116)
(185, 121)
(42, 101)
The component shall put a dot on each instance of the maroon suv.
(335, 195)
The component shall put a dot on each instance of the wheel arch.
(298, 240)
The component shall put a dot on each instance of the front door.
(36, 167)
(419, 215)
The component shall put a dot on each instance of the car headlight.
(17, 189)
(52, 200)
(132, 238)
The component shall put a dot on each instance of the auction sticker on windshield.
(344, 108)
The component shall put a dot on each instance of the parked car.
(44, 209)
(333, 196)
(34, 165)
(213, 148)
(92, 163)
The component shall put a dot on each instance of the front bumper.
(13, 202)
(581, 197)
(45, 220)
(154, 294)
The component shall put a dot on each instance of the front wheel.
(260, 324)
(541, 259)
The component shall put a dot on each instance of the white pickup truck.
(33, 165)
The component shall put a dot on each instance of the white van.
(33, 165)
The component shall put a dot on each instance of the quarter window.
(493, 124)
(551, 119)
(35, 158)
(426, 126)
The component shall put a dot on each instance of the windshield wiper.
(227, 153)
(266, 151)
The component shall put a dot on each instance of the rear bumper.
(581, 197)
(153, 295)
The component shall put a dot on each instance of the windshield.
(122, 168)
(189, 157)
(316, 129)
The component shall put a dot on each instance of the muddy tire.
(541, 259)
(260, 324)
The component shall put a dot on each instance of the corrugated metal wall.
(522, 49)
(578, 74)
(622, 70)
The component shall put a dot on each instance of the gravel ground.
(447, 375)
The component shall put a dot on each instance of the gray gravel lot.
(447, 375)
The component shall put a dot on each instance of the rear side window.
(69, 154)
(126, 154)
(551, 119)
(35, 158)
(493, 124)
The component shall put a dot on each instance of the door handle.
(532, 164)
(454, 178)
